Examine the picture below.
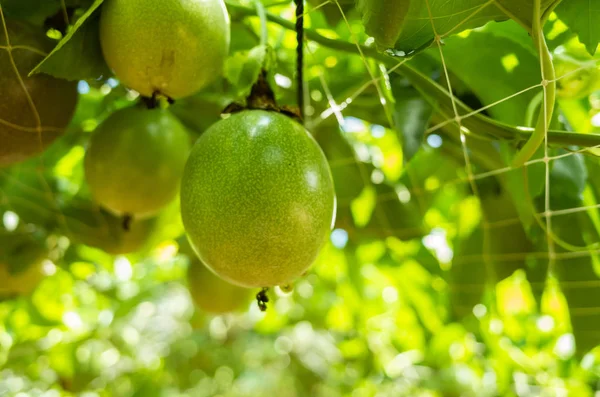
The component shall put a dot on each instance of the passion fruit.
(135, 160)
(168, 47)
(21, 263)
(257, 199)
(35, 110)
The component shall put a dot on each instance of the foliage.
(453, 269)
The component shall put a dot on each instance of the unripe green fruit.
(21, 264)
(257, 199)
(135, 160)
(171, 47)
(212, 294)
(35, 110)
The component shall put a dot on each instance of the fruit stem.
(127, 219)
(157, 100)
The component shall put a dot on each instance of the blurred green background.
(440, 278)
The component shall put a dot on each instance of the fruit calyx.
(262, 97)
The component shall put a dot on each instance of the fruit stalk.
(300, 55)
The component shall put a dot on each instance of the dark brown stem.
(153, 102)
(300, 55)
(127, 219)
(262, 96)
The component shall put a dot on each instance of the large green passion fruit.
(170, 47)
(21, 263)
(35, 110)
(257, 198)
(135, 160)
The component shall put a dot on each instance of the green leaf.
(467, 276)
(582, 17)
(499, 65)
(579, 281)
(200, 111)
(411, 117)
(506, 245)
(31, 195)
(452, 17)
(509, 243)
(569, 176)
(449, 17)
(522, 10)
(78, 56)
(22, 249)
(243, 67)
(35, 11)
(383, 19)
(576, 271)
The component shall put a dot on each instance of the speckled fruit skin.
(257, 199)
(174, 47)
(27, 127)
(135, 160)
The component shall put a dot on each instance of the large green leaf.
(501, 63)
(454, 17)
(78, 56)
(582, 17)
(411, 117)
(449, 17)
(33, 10)
(575, 266)
(468, 275)
(383, 19)
(506, 246)
(522, 10)
(578, 278)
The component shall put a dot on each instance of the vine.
(549, 86)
